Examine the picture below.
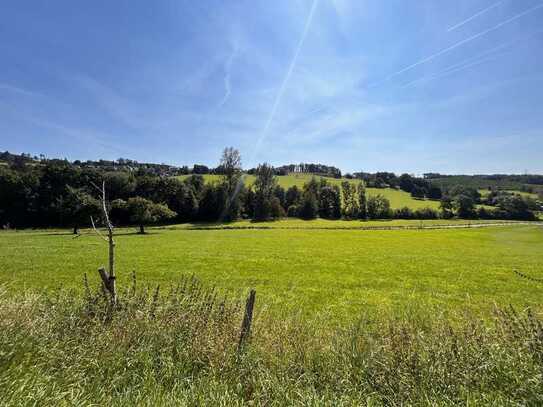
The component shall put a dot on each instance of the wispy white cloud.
(18, 90)
(227, 78)
(92, 138)
(129, 111)
(332, 123)
(118, 107)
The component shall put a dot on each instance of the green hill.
(397, 198)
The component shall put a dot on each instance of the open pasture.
(339, 271)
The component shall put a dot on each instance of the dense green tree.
(119, 184)
(230, 168)
(200, 169)
(417, 192)
(277, 210)
(293, 196)
(19, 199)
(378, 207)
(434, 192)
(351, 208)
(279, 193)
(265, 181)
(231, 181)
(185, 203)
(145, 212)
(78, 206)
(53, 179)
(262, 208)
(464, 206)
(264, 186)
(458, 190)
(145, 186)
(209, 206)
(362, 201)
(406, 183)
(313, 187)
(330, 202)
(168, 190)
(446, 207)
(249, 203)
(118, 212)
(309, 207)
(515, 207)
(197, 183)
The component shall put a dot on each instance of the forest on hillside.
(40, 192)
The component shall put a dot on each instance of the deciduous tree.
(144, 212)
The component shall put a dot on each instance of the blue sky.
(405, 86)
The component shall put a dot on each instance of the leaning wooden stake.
(108, 277)
(247, 320)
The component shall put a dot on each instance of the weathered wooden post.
(247, 320)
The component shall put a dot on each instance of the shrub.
(277, 210)
(403, 213)
(425, 213)
(292, 211)
(378, 207)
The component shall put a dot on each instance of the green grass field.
(343, 316)
(296, 223)
(397, 198)
(340, 271)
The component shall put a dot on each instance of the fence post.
(247, 319)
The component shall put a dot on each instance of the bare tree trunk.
(142, 230)
(111, 243)
(108, 277)
(76, 229)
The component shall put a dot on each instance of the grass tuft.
(179, 346)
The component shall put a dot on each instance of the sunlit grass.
(341, 271)
(179, 346)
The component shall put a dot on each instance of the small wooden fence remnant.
(108, 282)
(247, 320)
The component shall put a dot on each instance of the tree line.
(58, 193)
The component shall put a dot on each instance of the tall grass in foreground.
(180, 347)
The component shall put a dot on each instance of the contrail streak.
(460, 43)
(467, 20)
(277, 98)
(475, 60)
(281, 91)
(453, 69)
